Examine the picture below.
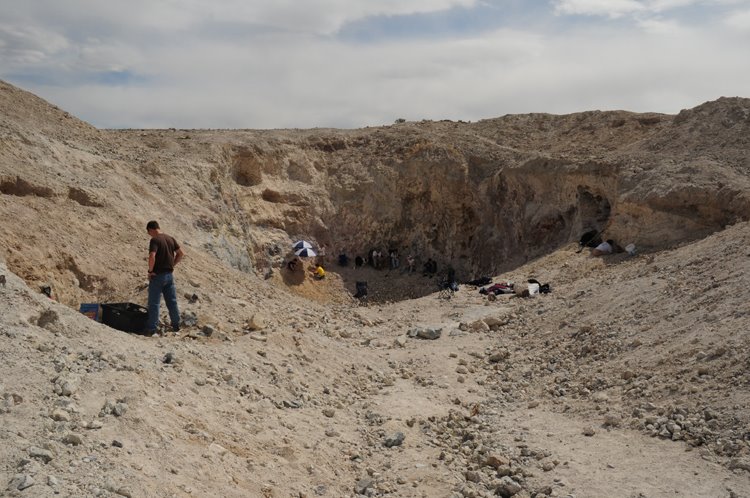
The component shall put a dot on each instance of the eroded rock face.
(488, 196)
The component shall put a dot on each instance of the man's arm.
(178, 256)
(151, 263)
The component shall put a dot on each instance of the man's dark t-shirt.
(165, 247)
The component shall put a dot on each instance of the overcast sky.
(354, 63)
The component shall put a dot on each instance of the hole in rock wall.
(269, 195)
(246, 169)
(473, 231)
(593, 210)
(83, 197)
(19, 187)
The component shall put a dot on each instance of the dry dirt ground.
(630, 379)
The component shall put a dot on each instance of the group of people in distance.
(376, 259)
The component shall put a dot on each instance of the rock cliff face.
(490, 195)
(483, 197)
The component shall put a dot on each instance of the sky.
(355, 63)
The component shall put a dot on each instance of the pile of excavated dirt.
(629, 379)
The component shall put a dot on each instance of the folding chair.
(361, 295)
(445, 289)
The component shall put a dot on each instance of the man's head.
(152, 227)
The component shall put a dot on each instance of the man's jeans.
(162, 283)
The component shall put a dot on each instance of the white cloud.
(739, 20)
(662, 5)
(607, 8)
(29, 44)
(620, 8)
(314, 16)
(661, 26)
(292, 74)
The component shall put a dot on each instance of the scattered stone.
(94, 424)
(600, 397)
(73, 439)
(494, 323)
(710, 414)
(52, 481)
(545, 491)
(40, 454)
(396, 439)
(589, 431)
(65, 386)
(627, 375)
(120, 409)
(499, 355)
(118, 490)
(189, 319)
(329, 412)
(60, 415)
(363, 485)
(496, 461)
(47, 318)
(473, 476)
(208, 330)
(479, 326)
(426, 333)
(257, 322)
(507, 487)
(400, 341)
(117, 409)
(12, 399)
(612, 421)
(169, 358)
(740, 463)
(116, 443)
(649, 407)
(21, 482)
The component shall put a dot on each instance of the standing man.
(163, 254)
